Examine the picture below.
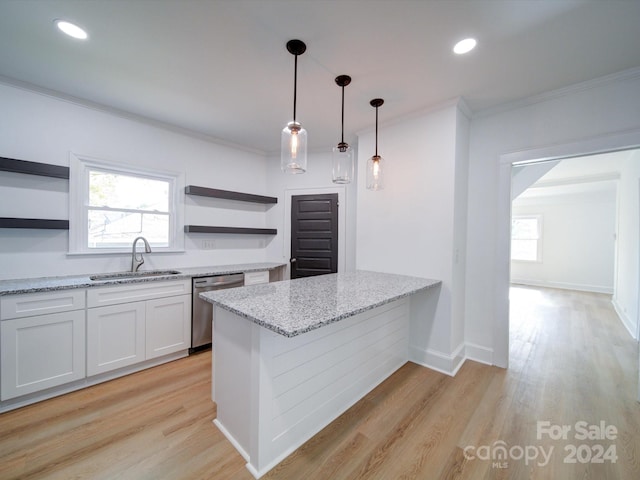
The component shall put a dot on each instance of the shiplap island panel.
(291, 356)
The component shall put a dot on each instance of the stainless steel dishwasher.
(202, 312)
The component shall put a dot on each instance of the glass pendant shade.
(293, 139)
(374, 173)
(342, 155)
(374, 164)
(293, 148)
(342, 159)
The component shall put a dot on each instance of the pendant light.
(342, 156)
(374, 164)
(293, 145)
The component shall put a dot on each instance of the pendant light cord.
(376, 131)
(295, 86)
(342, 132)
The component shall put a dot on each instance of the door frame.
(502, 267)
(342, 222)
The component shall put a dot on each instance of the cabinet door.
(255, 278)
(40, 352)
(168, 325)
(115, 336)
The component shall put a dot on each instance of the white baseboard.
(581, 287)
(624, 319)
(231, 439)
(450, 364)
(439, 361)
(478, 353)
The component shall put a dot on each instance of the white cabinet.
(53, 342)
(255, 278)
(168, 325)
(42, 341)
(128, 324)
(115, 337)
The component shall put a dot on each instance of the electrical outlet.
(208, 244)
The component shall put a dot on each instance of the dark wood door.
(314, 235)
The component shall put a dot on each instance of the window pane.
(125, 191)
(524, 228)
(108, 229)
(524, 250)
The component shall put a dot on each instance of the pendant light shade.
(293, 144)
(342, 156)
(374, 164)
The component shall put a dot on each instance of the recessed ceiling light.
(71, 29)
(464, 46)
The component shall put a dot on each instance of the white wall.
(460, 230)
(412, 227)
(563, 121)
(316, 180)
(41, 128)
(578, 241)
(627, 289)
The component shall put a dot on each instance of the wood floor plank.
(437, 431)
(570, 360)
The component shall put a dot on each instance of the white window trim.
(79, 198)
(538, 217)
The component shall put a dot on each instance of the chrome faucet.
(135, 261)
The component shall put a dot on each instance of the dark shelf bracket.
(228, 195)
(37, 223)
(33, 168)
(237, 230)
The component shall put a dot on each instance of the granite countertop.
(293, 307)
(47, 284)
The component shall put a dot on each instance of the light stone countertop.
(293, 307)
(47, 284)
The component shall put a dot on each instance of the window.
(113, 204)
(526, 236)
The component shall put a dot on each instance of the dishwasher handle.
(218, 281)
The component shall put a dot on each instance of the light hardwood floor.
(571, 360)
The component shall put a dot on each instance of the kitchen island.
(290, 357)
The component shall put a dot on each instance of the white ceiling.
(220, 67)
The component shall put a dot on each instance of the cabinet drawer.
(30, 304)
(102, 296)
(254, 278)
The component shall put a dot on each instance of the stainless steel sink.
(129, 275)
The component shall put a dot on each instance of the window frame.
(538, 218)
(80, 166)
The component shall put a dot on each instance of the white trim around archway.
(590, 146)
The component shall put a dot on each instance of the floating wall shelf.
(228, 195)
(33, 168)
(39, 223)
(237, 230)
